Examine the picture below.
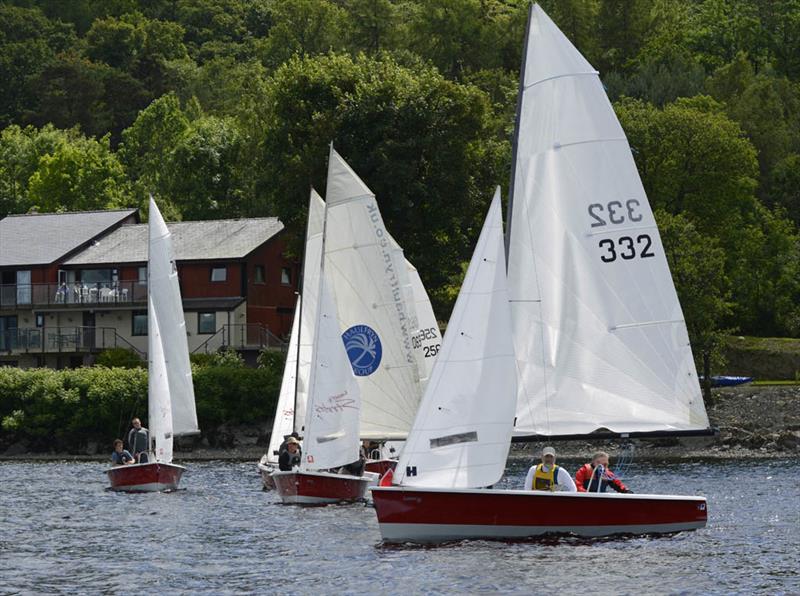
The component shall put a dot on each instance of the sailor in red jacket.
(596, 476)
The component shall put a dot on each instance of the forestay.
(600, 338)
(369, 277)
(332, 415)
(462, 432)
(164, 299)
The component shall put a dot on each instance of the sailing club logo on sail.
(363, 349)
(336, 403)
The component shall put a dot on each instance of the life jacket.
(545, 480)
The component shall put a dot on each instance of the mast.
(515, 140)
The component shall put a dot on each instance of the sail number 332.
(626, 247)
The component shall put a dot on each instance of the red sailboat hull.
(407, 514)
(145, 478)
(380, 466)
(319, 488)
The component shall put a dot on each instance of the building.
(74, 284)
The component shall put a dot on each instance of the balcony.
(29, 296)
(51, 340)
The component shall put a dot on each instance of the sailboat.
(331, 422)
(170, 393)
(599, 343)
(390, 331)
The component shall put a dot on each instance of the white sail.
(600, 338)
(332, 415)
(426, 339)
(283, 424)
(165, 296)
(293, 396)
(462, 432)
(370, 280)
(158, 403)
(311, 262)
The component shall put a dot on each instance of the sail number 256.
(626, 247)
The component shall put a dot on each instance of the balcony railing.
(63, 339)
(123, 293)
(241, 337)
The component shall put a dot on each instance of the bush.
(228, 358)
(119, 357)
(64, 410)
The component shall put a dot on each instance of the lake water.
(62, 532)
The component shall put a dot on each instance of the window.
(142, 279)
(258, 274)
(139, 323)
(8, 332)
(286, 276)
(206, 323)
(39, 320)
(219, 273)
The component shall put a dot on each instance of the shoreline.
(760, 422)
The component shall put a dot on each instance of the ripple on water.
(61, 531)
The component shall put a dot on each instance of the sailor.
(283, 445)
(137, 440)
(120, 456)
(596, 477)
(548, 476)
(289, 457)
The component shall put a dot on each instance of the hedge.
(66, 410)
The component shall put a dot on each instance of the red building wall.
(271, 303)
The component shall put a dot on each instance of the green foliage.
(119, 357)
(80, 175)
(228, 358)
(697, 264)
(63, 410)
(272, 359)
(421, 143)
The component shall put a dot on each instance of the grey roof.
(192, 241)
(44, 238)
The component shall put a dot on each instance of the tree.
(202, 171)
(21, 149)
(303, 28)
(693, 159)
(80, 175)
(785, 186)
(28, 41)
(695, 162)
(697, 264)
(423, 145)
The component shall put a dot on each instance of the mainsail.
(170, 388)
(461, 434)
(291, 410)
(332, 414)
(283, 424)
(373, 291)
(600, 337)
